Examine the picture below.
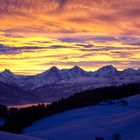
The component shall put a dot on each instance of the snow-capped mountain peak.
(53, 68)
(49, 72)
(55, 75)
(54, 72)
(51, 76)
(77, 71)
(130, 72)
(106, 71)
(7, 76)
(76, 68)
(7, 72)
(129, 69)
(109, 67)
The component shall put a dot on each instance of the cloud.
(131, 13)
(7, 50)
(85, 45)
(17, 50)
(128, 40)
(57, 47)
(93, 38)
(77, 31)
(104, 39)
(96, 64)
(135, 43)
(107, 48)
(117, 54)
(70, 16)
(72, 39)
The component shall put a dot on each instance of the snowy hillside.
(87, 123)
(10, 136)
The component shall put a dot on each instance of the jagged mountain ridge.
(53, 84)
(55, 75)
(106, 71)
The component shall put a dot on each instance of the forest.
(17, 119)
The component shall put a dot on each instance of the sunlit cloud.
(37, 34)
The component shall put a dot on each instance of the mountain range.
(53, 84)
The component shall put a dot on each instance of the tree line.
(17, 119)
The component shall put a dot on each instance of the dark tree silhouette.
(116, 137)
(99, 138)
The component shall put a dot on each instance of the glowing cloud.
(36, 34)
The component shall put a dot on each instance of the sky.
(38, 34)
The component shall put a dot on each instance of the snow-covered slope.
(8, 77)
(51, 76)
(87, 123)
(106, 71)
(10, 136)
(12, 95)
(130, 72)
(55, 75)
(76, 71)
(67, 88)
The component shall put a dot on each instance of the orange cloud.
(37, 32)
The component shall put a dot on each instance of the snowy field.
(9, 136)
(86, 123)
